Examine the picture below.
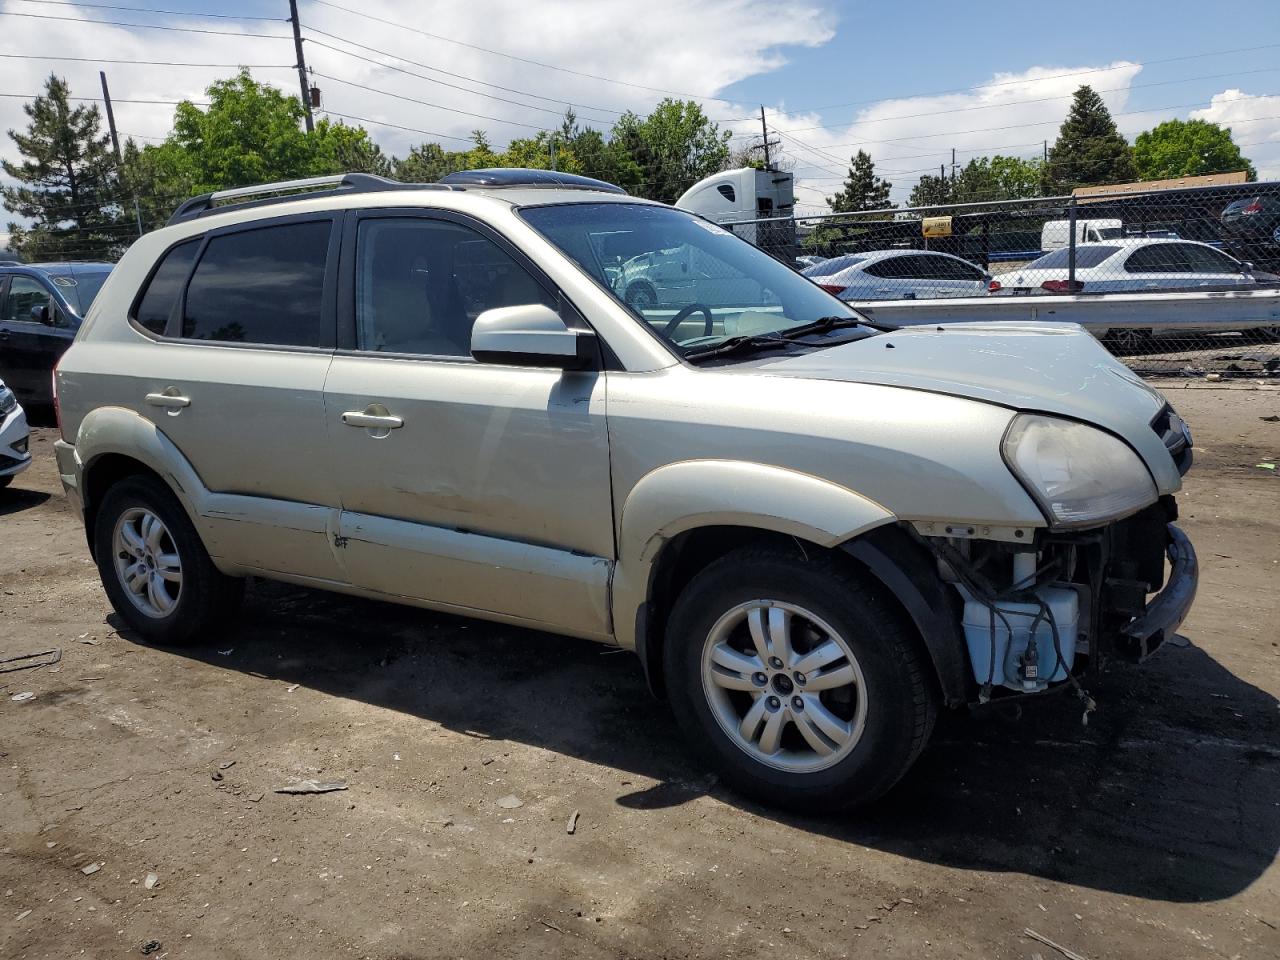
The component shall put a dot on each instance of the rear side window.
(161, 296)
(1085, 257)
(260, 286)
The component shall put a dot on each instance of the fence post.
(1071, 246)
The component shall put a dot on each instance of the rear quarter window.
(162, 290)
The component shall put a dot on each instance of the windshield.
(695, 284)
(80, 289)
(1086, 256)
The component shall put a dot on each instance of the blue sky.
(912, 79)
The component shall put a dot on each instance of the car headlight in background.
(7, 401)
(1078, 474)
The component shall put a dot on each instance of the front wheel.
(154, 568)
(796, 681)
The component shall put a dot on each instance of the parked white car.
(1121, 266)
(898, 275)
(14, 437)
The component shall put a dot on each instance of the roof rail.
(208, 203)
(525, 177)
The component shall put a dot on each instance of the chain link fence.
(1120, 261)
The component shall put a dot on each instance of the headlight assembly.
(7, 401)
(1079, 475)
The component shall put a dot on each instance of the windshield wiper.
(743, 344)
(825, 324)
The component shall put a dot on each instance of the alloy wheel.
(784, 686)
(147, 562)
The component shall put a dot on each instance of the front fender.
(700, 493)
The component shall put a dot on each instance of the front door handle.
(375, 418)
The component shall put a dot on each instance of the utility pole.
(953, 164)
(764, 132)
(302, 63)
(1046, 151)
(115, 141)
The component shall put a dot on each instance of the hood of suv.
(1055, 368)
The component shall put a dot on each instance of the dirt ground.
(1151, 832)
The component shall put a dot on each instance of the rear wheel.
(154, 568)
(796, 681)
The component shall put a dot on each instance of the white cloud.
(1012, 113)
(1254, 120)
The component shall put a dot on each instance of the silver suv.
(814, 531)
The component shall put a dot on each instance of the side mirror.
(531, 335)
(1246, 267)
(41, 314)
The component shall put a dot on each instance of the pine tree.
(67, 182)
(1089, 148)
(862, 189)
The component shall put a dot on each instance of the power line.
(149, 63)
(1024, 80)
(394, 126)
(1016, 103)
(147, 26)
(167, 13)
(169, 103)
(427, 103)
(425, 66)
(511, 56)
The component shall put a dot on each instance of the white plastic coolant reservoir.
(1011, 641)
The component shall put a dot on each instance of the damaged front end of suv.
(1111, 577)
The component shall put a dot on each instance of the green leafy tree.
(342, 149)
(931, 191)
(66, 182)
(428, 162)
(675, 146)
(1089, 148)
(1187, 148)
(862, 189)
(981, 179)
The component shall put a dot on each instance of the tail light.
(835, 288)
(993, 286)
(1255, 207)
(1063, 286)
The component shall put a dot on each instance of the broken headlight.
(1077, 473)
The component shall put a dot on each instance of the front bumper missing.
(1165, 614)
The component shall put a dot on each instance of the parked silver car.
(814, 531)
(898, 275)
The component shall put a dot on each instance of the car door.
(1216, 270)
(241, 330)
(474, 487)
(1158, 266)
(890, 278)
(29, 347)
(949, 276)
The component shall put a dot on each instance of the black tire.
(207, 598)
(5, 481)
(900, 693)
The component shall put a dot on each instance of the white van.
(1055, 233)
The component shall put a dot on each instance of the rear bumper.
(1165, 614)
(69, 472)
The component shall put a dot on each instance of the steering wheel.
(674, 323)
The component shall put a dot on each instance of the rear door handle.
(170, 398)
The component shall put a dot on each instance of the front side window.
(692, 282)
(261, 286)
(421, 283)
(1159, 258)
(1209, 260)
(25, 295)
(162, 292)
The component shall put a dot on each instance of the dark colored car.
(41, 306)
(1251, 229)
